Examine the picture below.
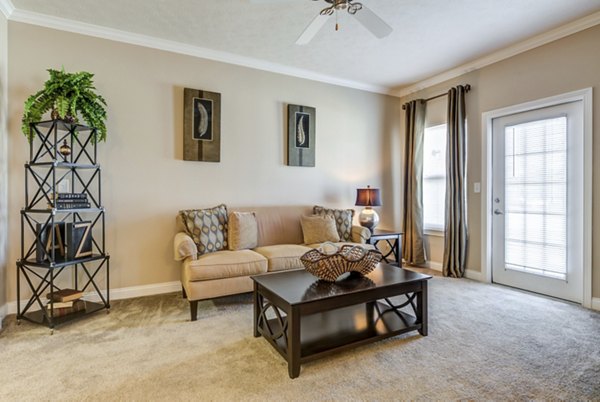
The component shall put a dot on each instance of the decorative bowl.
(330, 266)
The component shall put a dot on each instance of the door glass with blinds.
(538, 200)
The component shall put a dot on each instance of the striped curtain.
(456, 236)
(413, 251)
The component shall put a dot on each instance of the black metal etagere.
(44, 257)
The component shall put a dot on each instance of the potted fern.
(65, 95)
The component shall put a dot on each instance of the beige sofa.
(222, 273)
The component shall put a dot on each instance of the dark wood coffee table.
(304, 318)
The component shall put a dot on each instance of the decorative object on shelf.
(301, 136)
(368, 198)
(70, 201)
(79, 239)
(66, 95)
(201, 125)
(65, 295)
(77, 306)
(330, 262)
(45, 243)
(65, 149)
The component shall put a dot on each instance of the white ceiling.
(429, 37)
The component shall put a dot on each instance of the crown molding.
(97, 31)
(531, 43)
(7, 8)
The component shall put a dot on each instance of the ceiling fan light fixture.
(366, 17)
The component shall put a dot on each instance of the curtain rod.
(467, 89)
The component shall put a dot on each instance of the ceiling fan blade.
(312, 29)
(373, 23)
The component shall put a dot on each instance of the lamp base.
(368, 218)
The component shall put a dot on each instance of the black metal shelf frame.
(40, 265)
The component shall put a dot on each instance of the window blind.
(536, 197)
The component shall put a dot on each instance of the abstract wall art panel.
(201, 125)
(301, 136)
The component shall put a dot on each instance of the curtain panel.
(413, 251)
(456, 234)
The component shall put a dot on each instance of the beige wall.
(145, 180)
(3, 160)
(565, 65)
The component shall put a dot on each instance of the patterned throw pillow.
(343, 220)
(207, 227)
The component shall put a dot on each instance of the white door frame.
(584, 95)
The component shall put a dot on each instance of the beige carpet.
(485, 342)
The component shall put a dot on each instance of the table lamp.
(368, 198)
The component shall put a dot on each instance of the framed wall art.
(201, 125)
(301, 136)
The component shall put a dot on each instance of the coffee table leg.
(422, 308)
(293, 348)
(257, 308)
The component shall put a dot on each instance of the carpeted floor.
(485, 342)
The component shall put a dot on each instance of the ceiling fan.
(362, 13)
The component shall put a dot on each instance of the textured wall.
(146, 181)
(562, 66)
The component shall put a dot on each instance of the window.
(434, 178)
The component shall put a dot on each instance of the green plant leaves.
(70, 94)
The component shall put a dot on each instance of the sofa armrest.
(184, 246)
(360, 234)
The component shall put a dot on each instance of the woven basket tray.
(329, 267)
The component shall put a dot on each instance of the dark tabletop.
(299, 286)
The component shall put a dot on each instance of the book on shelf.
(65, 295)
(78, 305)
(71, 204)
(71, 196)
(59, 304)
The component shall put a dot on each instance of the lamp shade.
(368, 197)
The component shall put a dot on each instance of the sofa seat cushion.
(342, 243)
(283, 256)
(225, 264)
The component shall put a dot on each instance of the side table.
(394, 241)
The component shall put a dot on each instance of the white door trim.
(584, 95)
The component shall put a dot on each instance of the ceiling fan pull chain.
(337, 27)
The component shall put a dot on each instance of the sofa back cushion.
(343, 220)
(278, 224)
(319, 229)
(242, 230)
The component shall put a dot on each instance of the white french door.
(537, 200)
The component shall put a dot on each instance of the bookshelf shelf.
(62, 225)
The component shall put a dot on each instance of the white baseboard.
(474, 275)
(436, 266)
(3, 313)
(115, 294)
(596, 303)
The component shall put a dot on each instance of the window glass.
(434, 177)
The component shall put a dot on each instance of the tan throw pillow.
(343, 220)
(243, 231)
(207, 227)
(318, 229)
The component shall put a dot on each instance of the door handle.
(498, 212)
